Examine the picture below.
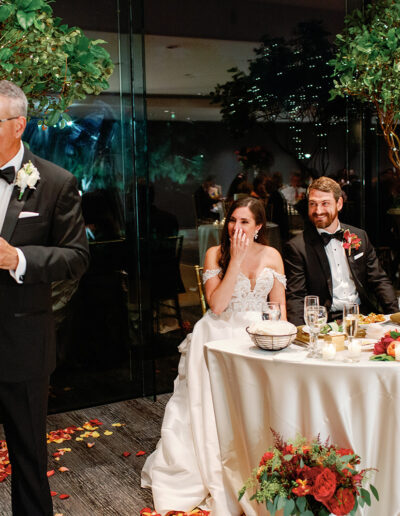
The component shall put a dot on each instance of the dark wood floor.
(100, 480)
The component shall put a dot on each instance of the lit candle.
(397, 351)
(329, 351)
(354, 348)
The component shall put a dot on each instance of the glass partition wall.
(151, 149)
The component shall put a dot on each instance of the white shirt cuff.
(19, 272)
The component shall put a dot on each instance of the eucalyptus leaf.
(374, 492)
(289, 507)
(301, 503)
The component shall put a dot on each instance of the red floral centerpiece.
(385, 348)
(309, 478)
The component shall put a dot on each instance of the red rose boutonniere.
(351, 241)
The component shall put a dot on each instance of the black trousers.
(23, 406)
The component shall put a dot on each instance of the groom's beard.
(323, 220)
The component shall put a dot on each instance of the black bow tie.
(8, 174)
(327, 237)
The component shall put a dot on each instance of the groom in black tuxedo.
(42, 239)
(317, 261)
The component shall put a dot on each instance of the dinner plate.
(365, 325)
(366, 344)
(306, 329)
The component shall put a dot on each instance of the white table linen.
(357, 405)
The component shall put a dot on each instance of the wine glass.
(316, 318)
(271, 311)
(310, 301)
(350, 320)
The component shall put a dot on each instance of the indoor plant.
(54, 64)
(367, 65)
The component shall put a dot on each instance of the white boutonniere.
(27, 176)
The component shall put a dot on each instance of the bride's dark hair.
(258, 210)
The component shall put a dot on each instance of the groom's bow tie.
(8, 174)
(327, 237)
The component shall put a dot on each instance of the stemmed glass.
(271, 311)
(350, 327)
(316, 317)
(310, 301)
(350, 320)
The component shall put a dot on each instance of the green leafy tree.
(367, 65)
(54, 64)
(288, 80)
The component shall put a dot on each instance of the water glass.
(271, 311)
(350, 320)
(310, 301)
(316, 318)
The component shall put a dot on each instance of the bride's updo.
(258, 210)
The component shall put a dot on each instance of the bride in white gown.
(185, 470)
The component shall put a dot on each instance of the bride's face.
(243, 219)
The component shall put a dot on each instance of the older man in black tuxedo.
(42, 239)
(321, 261)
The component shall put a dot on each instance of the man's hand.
(8, 256)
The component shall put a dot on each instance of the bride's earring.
(256, 234)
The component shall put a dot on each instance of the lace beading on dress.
(210, 273)
(245, 298)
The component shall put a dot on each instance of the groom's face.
(323, 209)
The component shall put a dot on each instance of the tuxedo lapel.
(14, 209)
(15, 205)
(318, 247)
(353, 265)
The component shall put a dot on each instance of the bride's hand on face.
(239, 245)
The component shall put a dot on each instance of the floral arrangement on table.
(254, 157)
(385, 348)
(309, 478)
(351, 241)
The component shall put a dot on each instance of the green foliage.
(54, 64)
(367, 60)
(367, 63)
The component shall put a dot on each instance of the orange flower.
(302, 487)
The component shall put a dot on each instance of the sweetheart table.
(357, 405)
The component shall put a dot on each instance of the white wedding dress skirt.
(185, 470)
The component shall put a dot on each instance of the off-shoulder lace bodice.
(245, 298)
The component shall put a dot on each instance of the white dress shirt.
(343, 287)
(5, 196)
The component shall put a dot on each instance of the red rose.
(265, 458)
(342, 502)
(379, 348)
(324, 486)
(310, 474)
(344, 451)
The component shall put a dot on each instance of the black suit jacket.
(55, 246)
(308, 273)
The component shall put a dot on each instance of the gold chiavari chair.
(199, 278)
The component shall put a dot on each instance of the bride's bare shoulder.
(273, 258)
(213, 255)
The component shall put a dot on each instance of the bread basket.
(272, 342)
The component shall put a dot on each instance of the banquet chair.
(199, 278)
(166, 281)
